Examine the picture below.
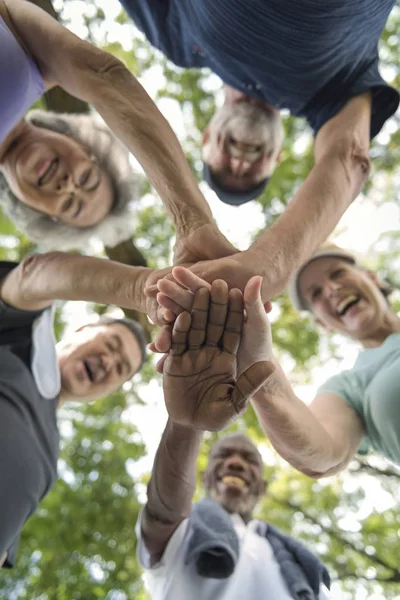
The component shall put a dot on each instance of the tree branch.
(395, 572)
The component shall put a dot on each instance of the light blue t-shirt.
(372, 389)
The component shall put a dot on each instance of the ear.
(373, 277)
(279, 157)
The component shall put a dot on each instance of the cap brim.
(232, 197)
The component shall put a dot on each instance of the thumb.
(253, 304)
(250, 382)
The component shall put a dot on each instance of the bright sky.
(358, 231)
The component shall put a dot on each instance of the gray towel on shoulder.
(213, 544)
(214, 548)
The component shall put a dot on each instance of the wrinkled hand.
(201, 386)
(177, 296)
(203, 243)
(148, 303)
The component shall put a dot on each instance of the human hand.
(203, 243)
(175, 296)
(201, 386)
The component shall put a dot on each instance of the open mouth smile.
(94, 369)
(234, 481)
(346, 304)
(48, 170)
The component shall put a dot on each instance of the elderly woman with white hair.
(355, 410)
(39, 54)
(67, 179)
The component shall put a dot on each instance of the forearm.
(135, 119)
(340, 171)
(172, 485)
(102, 80)
(42, 278)
(293, 430)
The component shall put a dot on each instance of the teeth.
(233, 481)
(345, 303)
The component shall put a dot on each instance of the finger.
(171, 305)
(160, 364)
(252, 300)
(234, 322)
(175, 292)
(217, 312)
(180, 334)
(163, 340)
(197, 333)
(249, 382)
(191, 281)
(152, 290)
(252, 291)
(152, 347)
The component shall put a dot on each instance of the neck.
(20, 129)
(390, 325)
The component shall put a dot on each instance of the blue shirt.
(308, 56)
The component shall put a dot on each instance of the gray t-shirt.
(29, 439)
(372, 389)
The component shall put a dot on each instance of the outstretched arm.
(102, 80)
(202, 391)
(171, 487)
(41, 278)
(319, 439)
(340, 171)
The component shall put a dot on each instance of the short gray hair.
(111, 155)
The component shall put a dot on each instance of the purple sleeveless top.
(20, 81)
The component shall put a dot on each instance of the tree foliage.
(81, 543)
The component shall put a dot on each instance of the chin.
(234, 503)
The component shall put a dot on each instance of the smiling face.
(95, 361)
(53, 174)
(242, 143)
(343, 297)
(234, 476)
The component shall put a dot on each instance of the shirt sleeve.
(343, 385)
(149, 17)
(13, 318)
(170, 553)
(331, 99)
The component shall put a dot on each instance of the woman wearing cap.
(39, 53)
(354, 410)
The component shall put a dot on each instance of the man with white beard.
(317, 59)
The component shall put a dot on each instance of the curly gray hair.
(111, 155)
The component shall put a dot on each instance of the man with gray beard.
(311, 58)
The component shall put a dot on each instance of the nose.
(331, 287)
(66, 184)
(235, 463)
(109, 361)
(240, 166)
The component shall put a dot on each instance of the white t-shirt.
(257, 575)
